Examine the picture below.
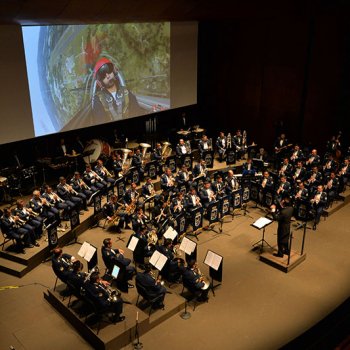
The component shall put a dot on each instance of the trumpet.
(18, 221)
(98, 177)
(83, 184)
(106, 172)
(32, 212)
(70, 189)
(45, 202)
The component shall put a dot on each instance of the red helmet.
(109, 67)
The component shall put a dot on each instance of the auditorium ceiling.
(97, 11)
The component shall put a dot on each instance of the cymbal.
(133, 145)
(183, 132)
(73, 155)
(198, 130)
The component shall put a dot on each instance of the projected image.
(83, 75)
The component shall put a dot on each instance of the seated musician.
(161, 214)
(139, 219)
(301, 194)
(131, 200)
(286, 168)
(329, 165)
(283, 189)
(204, 145)
(200, 169)
(192, 201)
(313, 160)
(319, 203)
(67, 193)
(219, 187)
(143, 249)
(266, 184)
(344, 173)
(42, 208)
(332, 186)
(177, 205)
(115, 256)
(299, 172)
(181, 148)
(81, 188)
(62, 264)
(297, 155)
(94, 181)
(136, 161)
(114, 218)
(193, 280)
(152, 287)
(174, 266)
(167, 182)
(248, 168)
(262, 155)
(57, 202)
(32, 220)
(206, 194)
(232, 183)
(96, 290)
(75, 276)
(237, 141)
(221, 145)
(157, 155)
(103, 173)
(148, 189)
(183, 178)
(11, 227)
(313, 179)
(117, 165)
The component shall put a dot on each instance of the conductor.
(283, 216)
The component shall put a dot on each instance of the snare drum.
(3, 181)
(96, 148)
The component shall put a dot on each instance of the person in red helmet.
(112, 100)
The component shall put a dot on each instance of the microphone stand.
(137, 345)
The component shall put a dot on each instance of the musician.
(183, 178)
(332, 186)
(283, 189)
(62, 149)
(219, 187)
(248, 168)
(131, 195)
(32, 222)
(62, 264)
(173, 268)
(299, 173)
(262, 155)
(232, 183)
(11, 227)
(136, 161)
(313, 159)
(329, 165)
(301, 193)
(110, 210)
(204, 145)
(157, 155)
(167, 182)
(319, 202)
(75, 276)
(103, 173)
(177, 204)
(42, 208)
(221, 144)
(142, 249)
(297, 155)
(283, 216)
(280, 144)
(314, 178)
(161, 213)
(148, 190)
(194, 281)
(181, 148)
(151, 286)
(192, 201)
(57, 202)
(286, 168)
(344, 173)
(117, 165)
(81, 188)
(333, 145)
(95, 182)
(65, 192)
(96, 290)
(78, 145)
(206, 194)
(266, 184)
(112, 100)
(238, 143)
(139, 219)
(200, 169)
(115, 256)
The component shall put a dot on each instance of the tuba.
(166, 149)
(126, 152)
(144, 150)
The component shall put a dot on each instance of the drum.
(3, 181)
(94, 149)
(206, 282)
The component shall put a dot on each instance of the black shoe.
(118, 230)
(30, 245)
(286, 252)
(279, 255)
(37, 244)
(117, 319)
(314, 227)
(130, 285)
(158, 306)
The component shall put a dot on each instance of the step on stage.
(113, 336)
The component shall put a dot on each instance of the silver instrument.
(188, 147)
(228, 141)
(166, 149)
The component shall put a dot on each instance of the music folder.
(133, 243)
(170, 233)
(187, 246)
(213, 260)
(87, 251)
(261, 223)
(158, 260)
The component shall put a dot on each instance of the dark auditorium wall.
(268, 76)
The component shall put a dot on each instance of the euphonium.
(166, 150)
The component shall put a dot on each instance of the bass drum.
(96, 149)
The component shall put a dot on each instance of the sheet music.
(213, 260)
(83, 249)
(170, 233)
(261, 222)
(187, 246)
(90, 253)
(158, 260)
(133, 243)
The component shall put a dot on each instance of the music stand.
(151, 169)
(245, 200)
(189, 247)
(89, 253)
(196, 221)
(213, 216)
(259, 224)
(208, 156)
(230, 156)
(215, 263)
(52, 237)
